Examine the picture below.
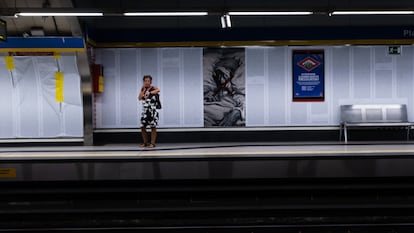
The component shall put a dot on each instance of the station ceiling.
(114, 20)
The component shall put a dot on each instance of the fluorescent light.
(260, 13)
(225, 21)
(165, 13)
(228, 20)
(57, 14)
(372, 13)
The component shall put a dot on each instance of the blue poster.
(308, 75)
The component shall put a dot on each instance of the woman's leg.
(144, 136)
(153, 135)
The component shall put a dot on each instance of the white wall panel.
(361, 76)
(383, 84)
(279, 95)
(341, 70)
(106, 102)
(7, 102)
(192, 69)
(256, 88)
(28, 94)
(128, 88)
(29, 108)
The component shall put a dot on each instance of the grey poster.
(224, 87)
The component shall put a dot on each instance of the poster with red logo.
(308, 75)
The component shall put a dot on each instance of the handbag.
(158, 101)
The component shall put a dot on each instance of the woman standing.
(149, 115)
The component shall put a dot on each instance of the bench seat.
(379, 116)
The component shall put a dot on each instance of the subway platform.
(209, 187)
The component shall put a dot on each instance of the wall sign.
(308, 75)
(394, 50)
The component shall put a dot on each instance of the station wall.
(353, 74)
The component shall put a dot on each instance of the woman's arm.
(142, 93)
(154, 90)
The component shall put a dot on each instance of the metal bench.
(369, 115)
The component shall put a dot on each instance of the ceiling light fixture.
(225, 21)
(58, 14)
(269, 13)
(372, 13)
(165, 13)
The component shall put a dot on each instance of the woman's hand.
(146, 94)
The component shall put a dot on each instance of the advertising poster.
(308, 75)
(224, 87)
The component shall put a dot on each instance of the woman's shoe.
(151, 145)
(143, 145)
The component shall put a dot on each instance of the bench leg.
(345, 134)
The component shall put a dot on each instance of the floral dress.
(149, 115)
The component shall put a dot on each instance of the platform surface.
(204, 150)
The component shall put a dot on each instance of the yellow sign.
(56, 55)
(101, 84)
(7, 172)
(59, 87)
(9, 62)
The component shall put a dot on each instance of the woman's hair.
(147, 76)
